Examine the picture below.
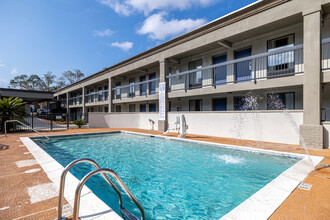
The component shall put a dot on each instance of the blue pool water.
(171, 179)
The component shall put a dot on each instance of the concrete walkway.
(22, 180)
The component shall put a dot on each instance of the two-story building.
(239, 70)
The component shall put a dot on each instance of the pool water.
(172, 179)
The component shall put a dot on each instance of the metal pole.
(32, 120)
(51, 121)
(67, 121)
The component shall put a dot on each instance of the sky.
(37, 36)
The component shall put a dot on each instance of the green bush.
(79, 123)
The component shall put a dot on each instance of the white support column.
(312, 130)
(163, 100)
(84, 110)
(111, 94)
(67, 103)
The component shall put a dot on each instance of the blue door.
(143, 86)
(152, 85)
(220, 73)
(219, 104)
(243, 69)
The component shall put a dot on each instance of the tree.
(24, 81)
(60, 83)
(74, 76)
(35, 82)
(11, 108)
(20, 81)
(49, 80)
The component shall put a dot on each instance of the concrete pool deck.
(20, 175)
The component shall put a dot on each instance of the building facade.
(269, 57)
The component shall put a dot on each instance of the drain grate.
(305, 186)
(67, 210)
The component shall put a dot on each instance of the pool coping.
(260, 205)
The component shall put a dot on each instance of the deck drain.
(305, 186)
(67, 210)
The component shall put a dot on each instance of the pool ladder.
(103, 171)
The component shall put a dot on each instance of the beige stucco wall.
(122, 120)
(326, 134)
(269, 126)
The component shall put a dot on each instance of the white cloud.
(13, 71)
(118, 6)
(124, 45)
(159, 28)
(127, 7)
(104, 33)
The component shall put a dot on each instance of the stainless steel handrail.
(117, 178)
(25, 126)
(62, 183)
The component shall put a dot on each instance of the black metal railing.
(43, 122)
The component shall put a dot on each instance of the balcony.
(137, 91)
(97, 97)
(75, 101)
(274, 64)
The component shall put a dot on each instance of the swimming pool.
(172, 179)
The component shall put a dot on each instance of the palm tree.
(11, 108)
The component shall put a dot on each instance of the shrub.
(79, 123)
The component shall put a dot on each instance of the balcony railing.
(63, 103)
(145, 88)
(100, 96)
(326, 54)
(75, 100)
(325, 114)
(277, 63)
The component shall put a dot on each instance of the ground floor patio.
(20, 173)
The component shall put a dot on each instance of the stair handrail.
(119, 181)
(25, 126)
(62, 183)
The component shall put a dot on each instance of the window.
(143, 86)
(143, 107)
(106, 109)
(131, 88)
(100, 109)
(106, 93)
(219, 104)
(118, 92)
(118, 108)
(243, 69)
(220, 73)
(240, 104)
(282, 63)
(280, 101)
(152, 107)
(169, 106)
(131, 108)
(195, 105)
(195, 79)
(152, 85)
(100, 94)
